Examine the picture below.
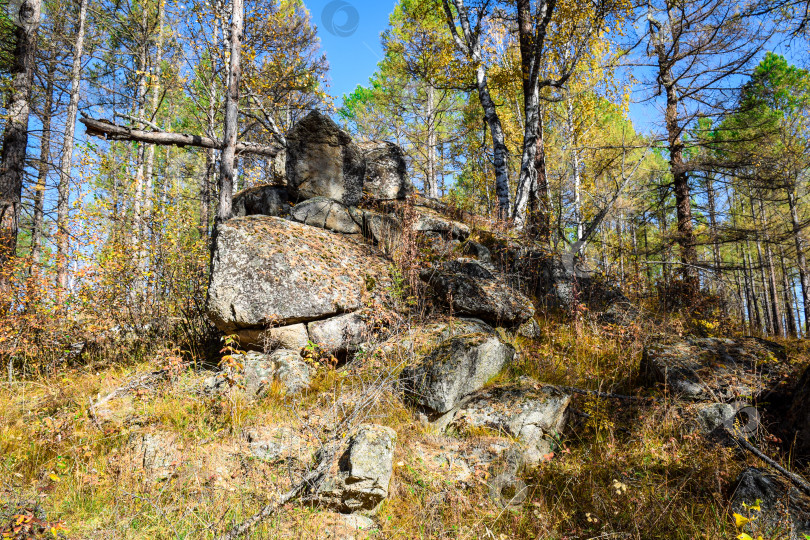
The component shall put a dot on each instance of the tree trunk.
(154, 104)
(431, 188)
(801, 260)
(776, 311)
(15, 137)
(789, 320)
(44, 167)
(499, 150)
(226, 170)
(713, 226)
(66, 162)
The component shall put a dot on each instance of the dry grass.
(623, 469)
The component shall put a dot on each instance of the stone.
(293, 337)
(265, 200)
(383, 230)
(530, 330)
(323, 161)
(425, 338)
(785, 510)
(260, 371)
(712, 369)
(276, 443)
(470, 288)
(269, 271)
(712, 416)
(327, 214)
(429, 220)
(534, 415)
(340, 334)
(386, 174)
(358, 477)
(454, 369)
(155, 453)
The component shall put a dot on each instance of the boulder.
(323, 161)
(260, 371)
(292, 337)
(386, 175)
(423, 339)
(327, 214)
(533, 415)
(340, 334)
(383, 230)
(530, 330)
(358, 477)
(268, 271)
(157, 453)
(265, 200)
(470, 288)
(456, 368)
(798, 417)
(784, 509)
(712, 369)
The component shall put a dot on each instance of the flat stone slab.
(713, 369)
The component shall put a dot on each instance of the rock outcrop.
(268, 272)
(322, 160)
(340, 334)
(784, 510)
(265, 200)
(798, 417)
(259, 372)
(327, 214)
(386, 177)
(454, 369)
(470, 288)
(712, 369)
(293, 337)
(536, 416)
(358, 478)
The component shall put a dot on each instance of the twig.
(797, 480)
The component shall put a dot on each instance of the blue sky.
(350, 35)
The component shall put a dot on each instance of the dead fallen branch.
(797, 480)
(113, 132)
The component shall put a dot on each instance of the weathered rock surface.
(382, 229)
(327, 214)
(261, 370)
(785, 510)
(530, 329)
(264, 200)
(532, 414)
(712, 369)
(277, 443)
(323, 161)
(429, 220)
(358, 478)
(423, 339)
(456, 368)
(339, 334)
(386, 175)
(470, 288)
(292, 337)
(269, 271)
(154, 453)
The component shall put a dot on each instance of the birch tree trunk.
(66, 162)
(431, 188)
(15, 136)
(44, 167)
(154, 104)
(226, 170)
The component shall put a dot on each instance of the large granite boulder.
(269, 271)
(263, 200)
(471, 289)
(454, 369)
(327, 214)
(712, 369)
(323, 161)
(386, 175)
(358, 477)
(429, 220)
(534, 415)
(784, 510)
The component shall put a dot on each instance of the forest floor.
(165, 460)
